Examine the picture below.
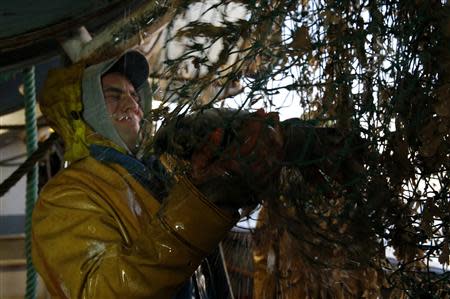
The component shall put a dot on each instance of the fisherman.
(117, 223)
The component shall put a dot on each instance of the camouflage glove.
(234, 156)
(243, 167)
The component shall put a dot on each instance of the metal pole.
(227, 276)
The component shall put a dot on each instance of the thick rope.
(32, 176)
(28, 164)
(7, 76)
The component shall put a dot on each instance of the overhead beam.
(127, 32)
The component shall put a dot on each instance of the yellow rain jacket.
(98, 233)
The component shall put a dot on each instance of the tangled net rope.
(371, 80)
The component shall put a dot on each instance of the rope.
(32, 176)
(6, 76)
(29, 167)
(28, 164)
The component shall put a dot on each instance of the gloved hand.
(236, 168)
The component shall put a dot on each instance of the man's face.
(122, 103)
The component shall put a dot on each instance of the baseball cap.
(132, 65)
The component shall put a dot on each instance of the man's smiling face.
(123, 105)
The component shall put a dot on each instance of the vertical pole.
(32, 176)
(227, 276)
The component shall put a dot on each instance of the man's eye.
(113, 98)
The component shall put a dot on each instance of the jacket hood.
(61, 104)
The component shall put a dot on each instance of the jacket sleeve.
(81, 249)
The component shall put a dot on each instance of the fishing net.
(362, 208)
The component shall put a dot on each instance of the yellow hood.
(61, 104)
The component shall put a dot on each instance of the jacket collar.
(149, 173)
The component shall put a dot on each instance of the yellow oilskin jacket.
(98, 233)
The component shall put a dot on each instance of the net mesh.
(369, 154)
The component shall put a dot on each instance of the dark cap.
(131, 64)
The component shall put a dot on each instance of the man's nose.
(130, 102)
